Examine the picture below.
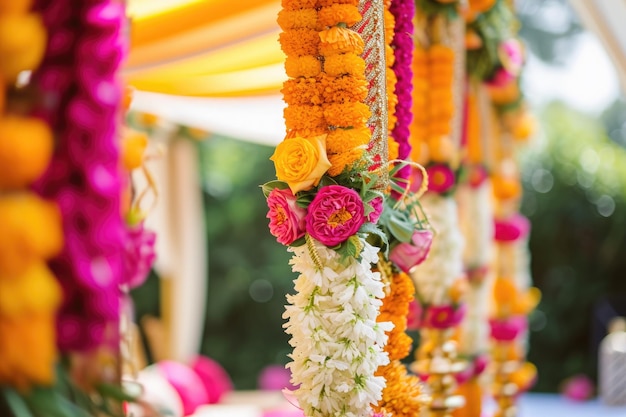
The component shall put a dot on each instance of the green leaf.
(304, 200)
(401, 228)
(16, 403)
(298, 242)
(326, 180)
(270, 185)
(115, 392)
(371, 230)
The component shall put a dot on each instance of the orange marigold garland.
(30, 227)
(402, 393)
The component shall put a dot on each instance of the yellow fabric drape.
(205, 48)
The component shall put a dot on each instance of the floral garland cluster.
(402, 393)
(433, 109)
(324, 205)
(87, 95)
(338, 346)
(390, 76)
(403, 12)
(30, 226)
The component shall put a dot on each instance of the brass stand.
(504, 390)
(437, 358)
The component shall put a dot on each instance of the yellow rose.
(301, 162)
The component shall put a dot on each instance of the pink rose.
(139, 254)
(444, 316)
(511, 229)
(506, 330)
(286, 217)
(441, 178)
(377, 205)
(335, 214)
(407, 256)
(511, 58)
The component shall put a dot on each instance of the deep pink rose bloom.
(444, 316)
(511, 229)
(335, 214)
(578, 388)
(440, 178)
(407, 256)
(507, 330)
(275, 378)
(139, 254)
(377, 205)
(414, 318)
(215, 379)
(511, 59)
(286, 217)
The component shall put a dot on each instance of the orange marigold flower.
(31, 230)
(303, 116)
(297, 19)
(346, 114)
(302, 91)
(22, 43)
(325, 3)
(342, 140)
(339, 40)
(299, 4)
(134, 145)
(342, 64)
(303, 66)
(307, 133)
(402, 393)
(35, 291)
(392, 149)
(26, 146)
(28, 350)
(440, 53)
(339, 13)
(390, 57)
(343, 89)
(344, 160)
(299, 42)
(390, 23)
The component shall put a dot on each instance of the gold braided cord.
(372, 30)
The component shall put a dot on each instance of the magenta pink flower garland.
(403, 12)
(81, 97)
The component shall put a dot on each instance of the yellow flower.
(297, 19)
(133, 147)
(393, 148)
(28, 350)
(31, 230)
(35, 291)
(299, 42)
(301, 162)
(303, 66)
(22, 43)
(26, 146)
(338, 40)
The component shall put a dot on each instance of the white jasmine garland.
(476, 221)
(434, 277)
(337, 343)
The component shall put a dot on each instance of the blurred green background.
(575, 195)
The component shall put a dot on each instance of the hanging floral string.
(31, 226)
(402, 44)
(323, 205)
